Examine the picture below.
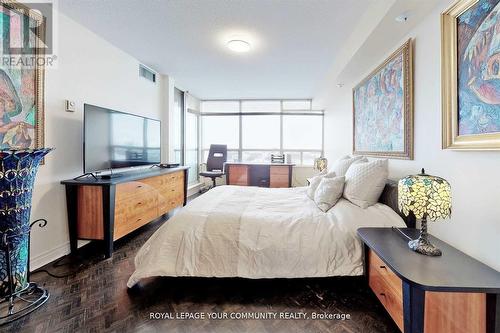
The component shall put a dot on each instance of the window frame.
(283, 112)
(197, 115)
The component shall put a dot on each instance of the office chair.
(217, 156)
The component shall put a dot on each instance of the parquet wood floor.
(96, 299)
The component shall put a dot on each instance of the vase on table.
(18, 169)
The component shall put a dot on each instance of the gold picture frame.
(406, 52)
(451, 139)
(39, 71)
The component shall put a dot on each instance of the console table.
(259, 174)
(108, 209)
(453, 293)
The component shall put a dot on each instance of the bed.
(253, 232)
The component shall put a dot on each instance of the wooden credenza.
(108, 209)
(259, 174)
(453, 293)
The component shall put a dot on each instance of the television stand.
(108, 209)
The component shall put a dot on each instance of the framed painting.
(21, 78)
(470, 58)
(383, 108)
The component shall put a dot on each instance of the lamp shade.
(320, 163)
(424, 195)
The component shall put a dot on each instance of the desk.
(448, 294)
(259, 174)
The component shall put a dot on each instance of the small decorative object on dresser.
(320, 163)
(426, 197)
(277, 158)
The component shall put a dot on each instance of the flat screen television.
(114, 139)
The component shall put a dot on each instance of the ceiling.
(294, 42)
(372, 44)
(387, 36)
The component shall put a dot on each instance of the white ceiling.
(294, 41)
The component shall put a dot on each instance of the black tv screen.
(114, 139)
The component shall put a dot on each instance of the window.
(260, 106)
(176, 151)
(258, 156)
(221, 130)
(184, 135)
(221, 106)
(302, 132)
(192, 151)
(255, 129)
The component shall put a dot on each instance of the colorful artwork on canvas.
(478, 47)
(382, 109)
(20, 87)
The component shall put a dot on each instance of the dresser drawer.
(278, 180)
(238, 175)
(176, 178)
(392, 280)
(169, 199)
(170, 203)
(387, 287)
(279, 170)
(125, 191)
(391, 301)
(134, 212)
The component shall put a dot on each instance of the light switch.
(70, 106)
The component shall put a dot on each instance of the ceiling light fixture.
(238, 45)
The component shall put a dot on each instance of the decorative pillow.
(365, 181)
(329, 192)
(341, 166)
(314, 182)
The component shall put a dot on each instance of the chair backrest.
(217, 156)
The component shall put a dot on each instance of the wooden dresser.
(259, 174)
(108, 209)
(453, 293)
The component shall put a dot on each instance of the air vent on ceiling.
(147, 73)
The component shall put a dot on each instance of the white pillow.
(341, 166)
(314, 182)
(365, 181)
(329, 192)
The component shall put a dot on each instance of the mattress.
(252, 232)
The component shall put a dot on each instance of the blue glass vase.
(18, 170)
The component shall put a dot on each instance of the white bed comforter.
(256, 232)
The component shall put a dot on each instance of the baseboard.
(193, 189)
(48, 256)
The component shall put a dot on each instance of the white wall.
(474, 176)
(90, 70)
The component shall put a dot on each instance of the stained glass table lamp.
(427, 197)
(320, 163)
